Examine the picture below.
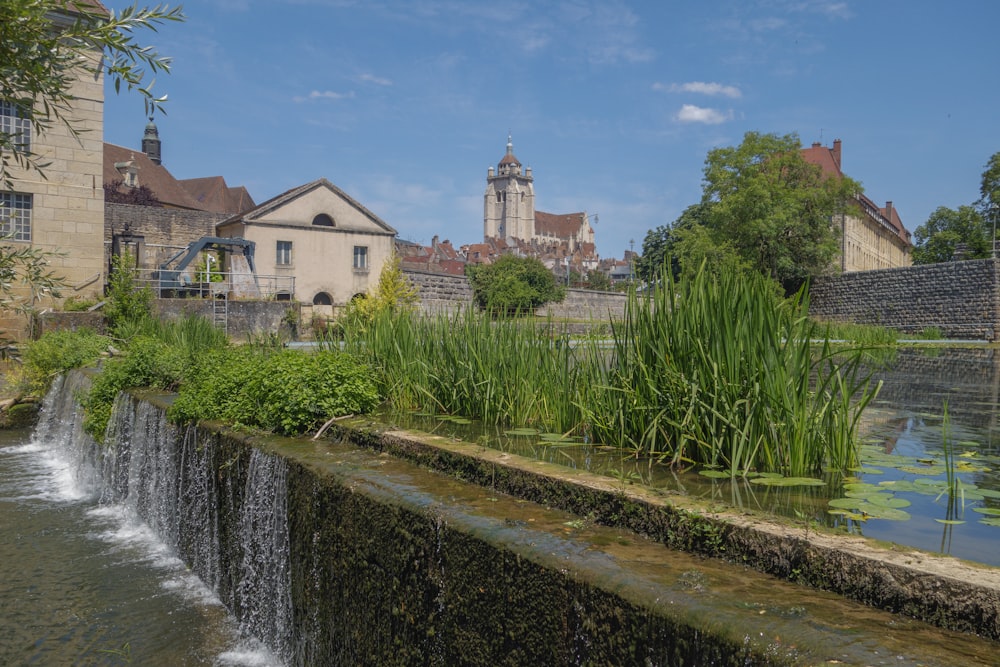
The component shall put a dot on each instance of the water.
(903, 458)
(87, 582)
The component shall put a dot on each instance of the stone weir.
(337, 554)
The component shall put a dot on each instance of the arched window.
(322, 299)
(358, 297)
(323, 220)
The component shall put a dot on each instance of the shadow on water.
(903, 473)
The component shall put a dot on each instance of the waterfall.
(235, 541)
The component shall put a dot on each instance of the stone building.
(61, 213)
(331, 246)
(512, 224)
(873, 238)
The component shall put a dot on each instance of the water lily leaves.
(987, 510)
(885, 500)
(950, 522)
(715, 474)
(869, 510)
(991, 521)
(788, 481)
(522, 431)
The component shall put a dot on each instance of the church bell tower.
(509, 201)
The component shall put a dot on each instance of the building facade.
(872, 237)
(329, 244)
(61, 213)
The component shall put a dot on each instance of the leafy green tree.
(937, 239)
(774, 208)
(38, 65)
(660, 244)
(128, 305)
(598, 280)
(513, 285)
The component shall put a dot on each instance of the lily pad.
(991, 521)
(884, 500)
(950, 522)
(715, 474)
(991, 511)
(522, 431)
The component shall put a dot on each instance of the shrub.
(149, 363)
(128, 304)
(513, 285)
(288, 391)
(60, 351)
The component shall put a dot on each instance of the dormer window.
(323, 220)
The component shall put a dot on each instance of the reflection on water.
(903, 462)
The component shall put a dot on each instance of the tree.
(38, 64)
(972, 227)
(775, 208)
(598, 280)
(27, 266)
(513, 285)
(946, 229)
(393, 293)
(660, 244)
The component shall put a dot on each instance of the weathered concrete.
(245, 318)
(940, 590)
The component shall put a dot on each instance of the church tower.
(509, 202)
(151, 142)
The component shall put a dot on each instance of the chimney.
(816, 144)
(836, 152)
(888, 211)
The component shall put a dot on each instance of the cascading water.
(96, 539)
(170, 481)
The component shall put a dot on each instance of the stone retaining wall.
(441, 293)
(959, 298)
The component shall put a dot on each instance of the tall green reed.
(718, 371)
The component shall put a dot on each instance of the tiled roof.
(215, 196)
(562, 226)
(93, 6)
(509, 159)
(154, 176)
(829, 160)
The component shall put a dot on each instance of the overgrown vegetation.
(719, 372)
(57, 352)
(287, 391)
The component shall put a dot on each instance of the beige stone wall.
(322, 258)
(68, 204)
(868, 245)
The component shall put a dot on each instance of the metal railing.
(234, 285)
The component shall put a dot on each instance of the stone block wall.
(962, 299)
(441, 293)
(245, 318)
(165, 230)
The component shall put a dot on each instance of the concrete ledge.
(939, 590)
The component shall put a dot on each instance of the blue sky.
(614, 104)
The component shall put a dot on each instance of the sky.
(614, 104)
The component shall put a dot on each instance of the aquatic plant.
(503, 372)
(717, 371)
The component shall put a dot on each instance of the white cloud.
(371, 78)
(700, 87)
(690, 113)
(324, 95)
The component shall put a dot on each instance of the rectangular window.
(15, 216)
(360, 257)
(15, 126)
(284, 253)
